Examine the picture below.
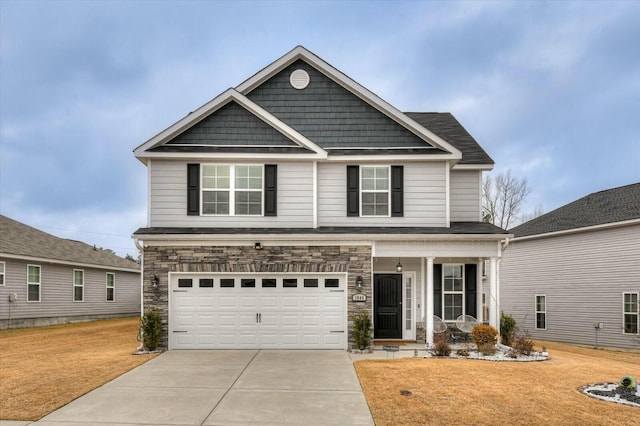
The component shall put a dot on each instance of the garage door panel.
(257, 317)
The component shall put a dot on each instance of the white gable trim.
(483, 167)
(212, 106)
(351, 85)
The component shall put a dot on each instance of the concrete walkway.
(227, 388)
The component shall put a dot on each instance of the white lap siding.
(424, 197)
(583, 276)
(168, 198)
(466, 193)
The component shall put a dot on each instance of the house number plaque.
(359, 297)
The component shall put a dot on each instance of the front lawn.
(44, 368)
(463, 392)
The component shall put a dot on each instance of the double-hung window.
(111, 286)
(375, 194)
(2, 268)
(630, 313)
(232, 190)
(78, 285)
(541, 312)
(33, 283)
(453, 291)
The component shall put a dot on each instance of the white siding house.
(573, 274)
(299, 198)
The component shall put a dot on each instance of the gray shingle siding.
(330, 115)
(232, 125)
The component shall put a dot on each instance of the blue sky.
(551, 90)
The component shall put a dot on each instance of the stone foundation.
(353, 260)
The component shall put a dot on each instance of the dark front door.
(387, 296)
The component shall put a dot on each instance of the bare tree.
(502, 198)
(537, 211)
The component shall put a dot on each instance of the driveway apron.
(230, 387)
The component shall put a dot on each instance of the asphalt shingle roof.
(22, 240)
(599, 208)
(445, 125)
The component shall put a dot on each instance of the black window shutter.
(397, 191)
(471, 289)
(193, 189)
(353, 191)
(270, 190)
(437, 290)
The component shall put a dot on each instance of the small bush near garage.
(484, 336)
(151, 325)
(362, 330)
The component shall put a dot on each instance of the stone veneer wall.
(159, 261)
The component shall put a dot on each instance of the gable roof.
(431, 140)
(599, 208)
(445, 125)
(18, 240)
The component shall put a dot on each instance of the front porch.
(410, 291)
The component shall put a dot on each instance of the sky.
(551, 90)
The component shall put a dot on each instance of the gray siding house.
(288, 204)
(48, 280)
(573, 274)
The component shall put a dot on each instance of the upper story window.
(78, 285)
(232, 190)
(2, 266)
(375, 193)
(33, 283)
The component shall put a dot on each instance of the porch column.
(494, 314)
(428, 303)
(479, 282)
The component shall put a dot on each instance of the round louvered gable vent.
(299, 79)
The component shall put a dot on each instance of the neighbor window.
(453, 291)
(541, 312)
(631, 314)
(33, 283)
(111, 286)
(374, 184)
(78, 285)
(232, 190)
(2, 266)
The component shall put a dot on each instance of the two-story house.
(298, 198)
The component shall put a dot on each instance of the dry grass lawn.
(468, 392)
(44, 368)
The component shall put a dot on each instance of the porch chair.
(465, 324)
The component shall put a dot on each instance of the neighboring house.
(49, 280)
(299, 198)
(573, 274)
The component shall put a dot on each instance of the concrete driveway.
(232, 387)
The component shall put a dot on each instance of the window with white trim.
(111, 287)
(631, 314)
(374, 190)
(232, 190)
(541, 312)
(33, 283)
(78, 285)
(2, 268)
(452, 291)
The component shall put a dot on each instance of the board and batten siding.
(583, 276)
(168, 198)
(56, 292)
(466, 195)
(424, 197)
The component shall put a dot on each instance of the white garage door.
(285, 311)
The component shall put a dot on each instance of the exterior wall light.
(399, 266)
(155, 281)
(258, 246)
(359, 282)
